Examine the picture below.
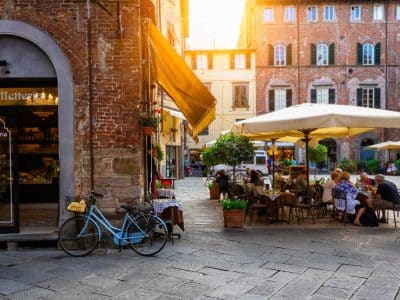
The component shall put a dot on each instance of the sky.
(214, 23)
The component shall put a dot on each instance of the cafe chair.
(286, 200)
(339, 196)
(260, 204)
(305, 201)
(238, 191)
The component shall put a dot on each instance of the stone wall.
(116, 87)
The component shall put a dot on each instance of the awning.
(190, 95)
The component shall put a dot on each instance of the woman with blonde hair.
(329, 185)
(350, 191)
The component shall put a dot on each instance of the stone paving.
(279, 261)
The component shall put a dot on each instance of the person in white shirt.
(329, 185)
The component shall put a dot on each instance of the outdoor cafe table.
(170, 209)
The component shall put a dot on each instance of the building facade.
(230, 76)
(72, 83)
(342, 52)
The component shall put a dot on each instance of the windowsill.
(356, 21)
(246, 107)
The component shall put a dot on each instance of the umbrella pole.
(273, 163)
(306, 140)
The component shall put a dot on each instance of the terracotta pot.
(148, 131)
(234, 218)
(214, 192)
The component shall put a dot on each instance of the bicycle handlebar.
(94, 194)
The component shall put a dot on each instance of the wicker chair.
(286, 200)
(260, 203)
(339, 195)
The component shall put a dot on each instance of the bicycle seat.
(131, 209)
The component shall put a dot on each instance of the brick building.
(48, 99)
(342, 52)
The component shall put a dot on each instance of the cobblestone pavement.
(322, 261)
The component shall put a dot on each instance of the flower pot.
(234, 218)
(214, 191)
(147, 131)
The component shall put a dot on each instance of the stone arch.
(65, 92)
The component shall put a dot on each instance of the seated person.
(386, 195)
(300, 186)
(351, 192)
(223, 182)
(247, 175)
(254, 177)
(278, 179)
(364, 179)
(329, 185)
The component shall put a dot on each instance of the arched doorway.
(332, 152)
(366, 154)
(37, 105)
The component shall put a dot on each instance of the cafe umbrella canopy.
(389, 145)
(316, 121)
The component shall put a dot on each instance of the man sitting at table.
(386, 195)
(364, 179)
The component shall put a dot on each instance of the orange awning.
(190, 95)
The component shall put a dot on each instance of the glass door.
(8, 209)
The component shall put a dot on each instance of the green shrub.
(228, 204)
(397, 163)
(285, 162)
(210, 185)
(361, 165)
(372, 166)
(347, 165)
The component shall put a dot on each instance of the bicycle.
(144, 232)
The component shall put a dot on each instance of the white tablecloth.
(161, 204)
(166, 193)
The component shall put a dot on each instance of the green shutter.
(289, 100)
(377, 98)
(289, 55)
(331, 54)
(359, 53)
(271, 100)
(359, 97)
(378, 54)
(313, 96)
(270, 55)
(313, 54)
(331, 96)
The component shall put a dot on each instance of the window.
(329, 13)
(240, 95)
(367, 54)
(323, 95)
(397, 12)
(201, 61)
(280, 55)
(280, 99)
(369, 97)
(312, 13)
(268, 15)
(355, 13)
(322, 55)
(379, 13)
(289, 14)
(240, 61)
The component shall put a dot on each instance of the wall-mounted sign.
(28, 96)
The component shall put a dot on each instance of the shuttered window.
(369, 97)
(323, 95)
(240, 95)
(322, 55)
(202, 63)
(240, 61)
(280, 55)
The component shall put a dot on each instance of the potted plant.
(214, 190)
(157, 152)
(234, 212)
(149, 121)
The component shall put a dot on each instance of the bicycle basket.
(75, 204)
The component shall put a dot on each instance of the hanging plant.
(149, 119)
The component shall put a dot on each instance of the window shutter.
(248, 60)
(289, 98)
(243, 95)
(194, 61)
(331, 96)
(359, 97)
(271, 100)
(210, 61)
(377, 98)
(231, 61)
(289, 55)
(313, 54)
(270, 55)
(331, 54)
(313, 96)
(359, 53)
(377, 53)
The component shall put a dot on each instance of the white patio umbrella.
(389, 145)
(318, 121)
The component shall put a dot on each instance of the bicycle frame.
(98, 218)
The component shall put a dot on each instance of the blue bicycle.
(144, 232)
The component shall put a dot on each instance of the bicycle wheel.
(76, 239)
(152, 241)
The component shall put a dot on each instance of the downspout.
(90, 93)
(298, 50)
(385, 131)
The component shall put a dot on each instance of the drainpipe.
(386, 66)
(90, 92)
(298, 50)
